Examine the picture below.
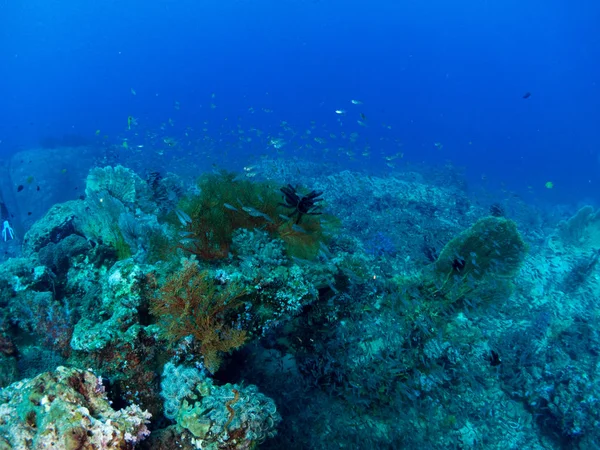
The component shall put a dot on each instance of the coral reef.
(66, 409)
(216, 417)
(57, 224)
(278, 286)
(118, 182)
(121, 297)
(424, 319)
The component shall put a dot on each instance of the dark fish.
(494, 358)
(29, 213)
(527, 95)
(19, 188)
(38, 188)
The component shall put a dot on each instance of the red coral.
(190, 303)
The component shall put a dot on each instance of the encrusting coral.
(66, 409)
(228, 417)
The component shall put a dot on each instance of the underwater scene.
(299, 224)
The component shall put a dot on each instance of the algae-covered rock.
(9, 371)
(58, 256)
(582, 230)
(491, 245)
(166, 439)
(66, 409)
(485, 255)
(57, 224)
(121, 298)
(231, 417)
(16, 276)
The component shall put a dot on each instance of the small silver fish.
(325, 248)
(300, 261)
(332, 287)
(323, 255)
(256, 213)
(231, 207)
(183, 217)
(298, 228)
(252, 211)
(188, 241)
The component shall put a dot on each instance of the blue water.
(402, 258)
(452, 73)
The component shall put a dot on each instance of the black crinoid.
(301, 204)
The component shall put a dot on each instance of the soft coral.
(191, 303)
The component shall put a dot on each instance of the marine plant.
(160, 246)
(227, 203)
(119, 243)
(191, 303)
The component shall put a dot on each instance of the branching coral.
(191, 303)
